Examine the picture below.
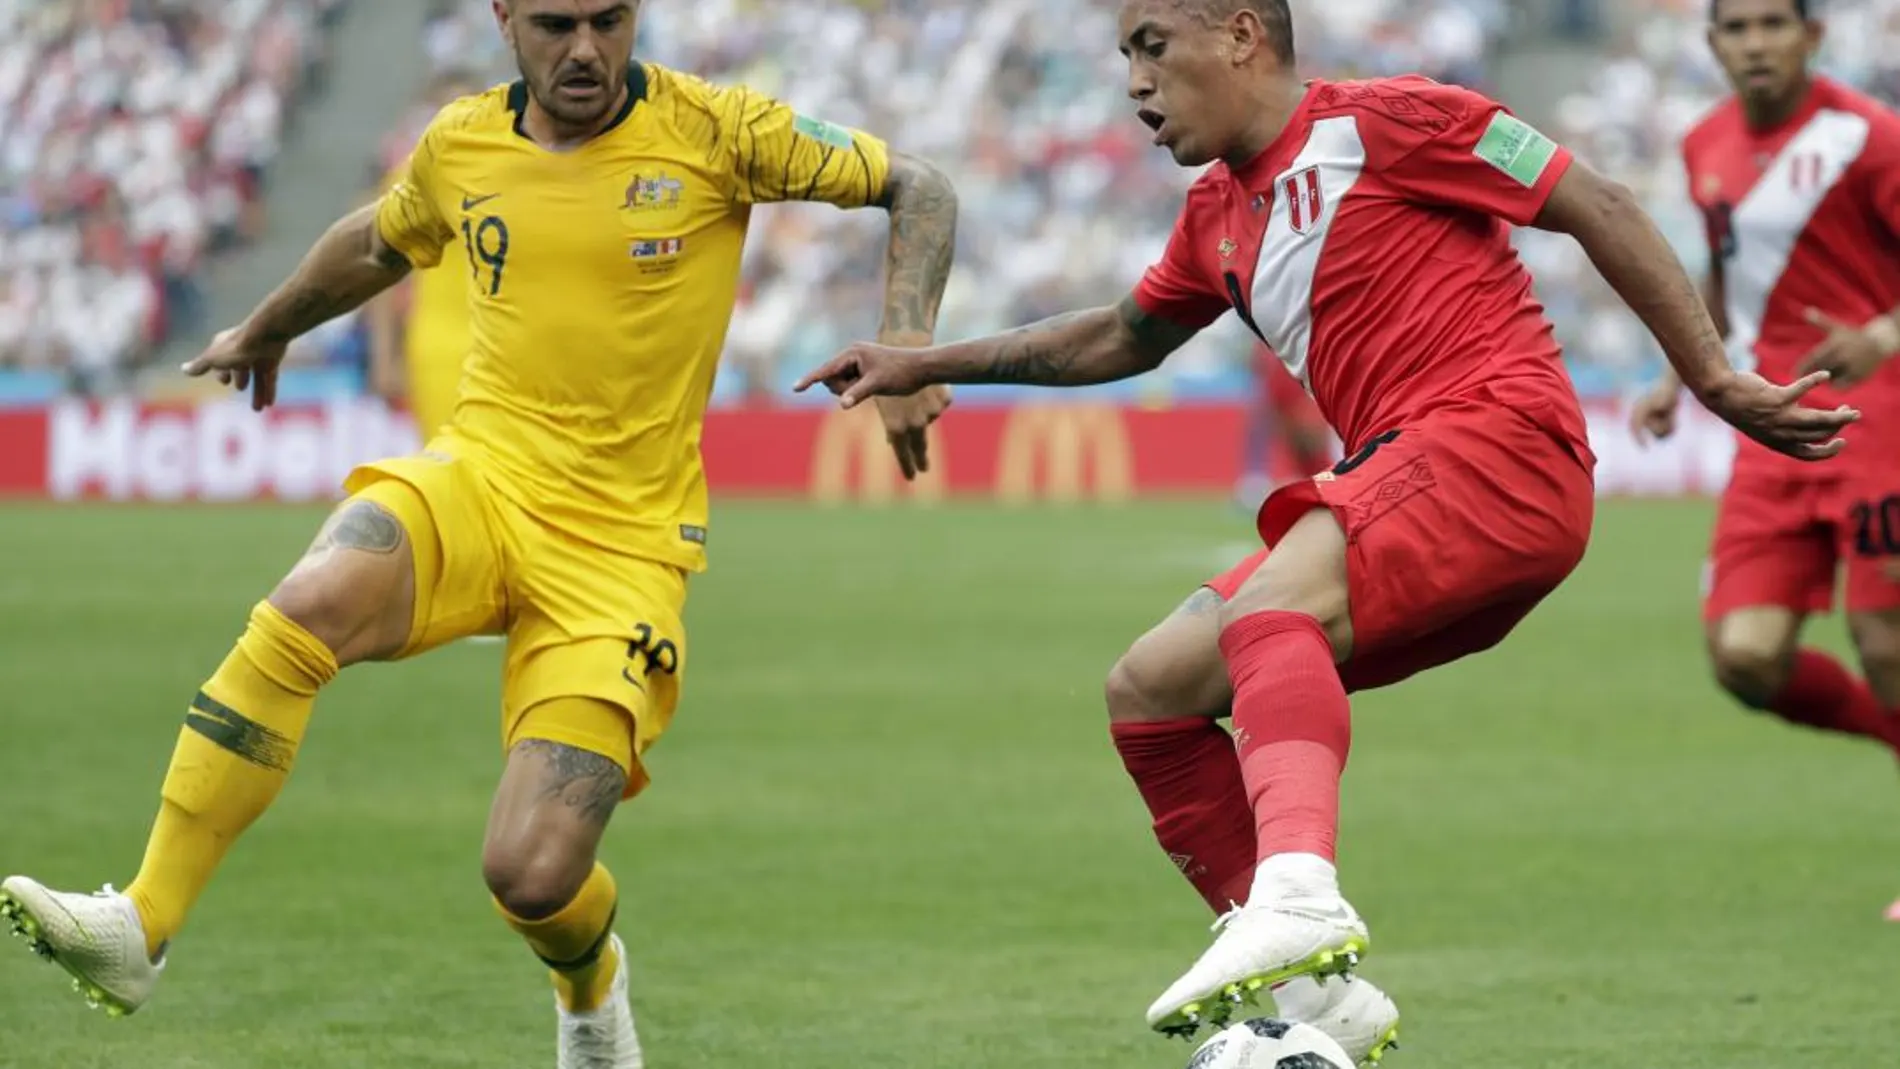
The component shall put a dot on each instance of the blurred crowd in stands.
(135, 144)
(136, 138)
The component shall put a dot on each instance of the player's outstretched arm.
(1654, 413)
(347, 266)
(1639, 264)
(1075, 349)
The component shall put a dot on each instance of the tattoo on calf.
(579, 779)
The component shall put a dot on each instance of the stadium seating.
(135, 142)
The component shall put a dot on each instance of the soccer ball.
(1270, 1043)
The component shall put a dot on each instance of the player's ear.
(504, 10)
(1817, 32)
(1247, 36)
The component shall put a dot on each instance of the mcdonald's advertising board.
(1019, 453)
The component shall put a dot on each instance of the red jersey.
(1368, 248)
(1803, 215)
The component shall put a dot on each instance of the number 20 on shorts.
(647, 654)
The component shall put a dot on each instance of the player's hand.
(867, 370)
(1775, 417)
(906, 423)
(1653, 416)
(242, 363)
(1850, 354)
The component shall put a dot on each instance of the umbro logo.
(469, 203)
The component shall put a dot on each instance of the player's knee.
(533, 881)
(332, 611)
(1132, 691)
(1754, 672)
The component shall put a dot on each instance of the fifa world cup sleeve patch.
(1515, 147)
(823, 132)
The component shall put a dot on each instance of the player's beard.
(571, 114)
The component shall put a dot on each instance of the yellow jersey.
(603, 281)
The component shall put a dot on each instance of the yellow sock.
(575, 944)
(233, 755)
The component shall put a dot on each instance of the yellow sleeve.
(780, 155)
(407, 215)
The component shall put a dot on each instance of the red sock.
(1188, 774)
(1293, 727)
(1820, 693)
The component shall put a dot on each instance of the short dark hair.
(1803, 9)
(1274, 13)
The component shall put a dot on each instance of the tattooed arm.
(1076, 349)
(923, 209)
(348, 265)
(1640, 266)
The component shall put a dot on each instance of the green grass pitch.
(888, 829)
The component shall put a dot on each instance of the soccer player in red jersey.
(1361, 230)
(1798, 180)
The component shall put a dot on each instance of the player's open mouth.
(1156, 122)
(580, 85)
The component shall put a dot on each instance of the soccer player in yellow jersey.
(601, 205)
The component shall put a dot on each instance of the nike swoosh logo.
(627, 674)
(1330, 913)
(471, 203)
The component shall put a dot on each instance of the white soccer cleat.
(1359, 1017)
(604, 1037)
(98, 938)
(1259, 946)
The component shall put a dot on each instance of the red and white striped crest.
(1305, 201)
(1804, 171)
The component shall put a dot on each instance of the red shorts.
(1456, 527)
(1785, 538)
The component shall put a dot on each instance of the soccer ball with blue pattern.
(1270, 1043)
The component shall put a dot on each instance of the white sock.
(1294, 876)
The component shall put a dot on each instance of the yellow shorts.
(581, 621)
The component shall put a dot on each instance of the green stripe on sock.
(239, 734)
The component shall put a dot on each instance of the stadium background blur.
(888, 822)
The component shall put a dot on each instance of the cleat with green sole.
(97, 938)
